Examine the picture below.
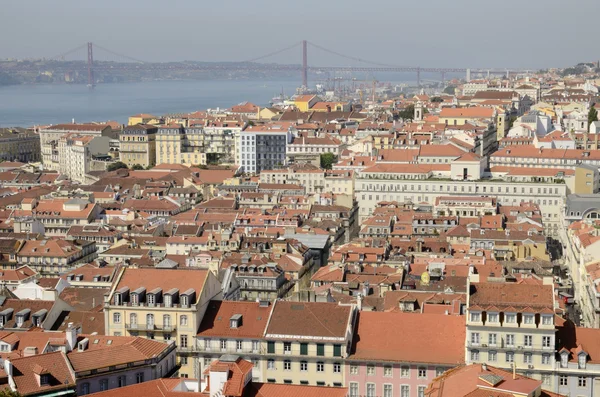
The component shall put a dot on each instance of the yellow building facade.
(138, 145)
(177, 145)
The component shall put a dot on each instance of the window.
(511, 318)
(546, 379)
(547, 320)
(546, 341)
(320, 366)
(492, 356)
(139, 377)
(528, 340)
(270, 364)
(85, 388)
(475, 338)
(183, 321)
(353, 369)
(320, 349)
(387, 371)
(303, 349)
(370, 389)
(183, 341)
(133, 319)
(287, 347)
(528, 318)
(545, 359)
(475, 317)
(370, 370)
(337, 350)
(439, 371)
(421, 391)
(563, 380)
(422, 374)
(337, 368)
(527, 359)
(271, 347)
(510, 357)
(255, 346)
(493, 317)
(510, 340)
(287, 365)
(303, 366)
(581, 381)
(492, 339)
(474, 355)
(387, 390)
(405, 371)
(122, 381)
(103, 384)
(404, 391)
(166, 321)
(353, 389)
(238, 345)
(117, 318)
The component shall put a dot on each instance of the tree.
(137, 167)
(592, 116)
(436, 99)
(328, 160)
(449, 90)
(9, 393)
(408, 113)
(116, 166)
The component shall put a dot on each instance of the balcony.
(230, 350)
(517, 348)
(150, 327)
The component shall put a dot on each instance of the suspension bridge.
(127, 63)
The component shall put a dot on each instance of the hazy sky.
(448, 33)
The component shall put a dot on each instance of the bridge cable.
(352, 58)
(273, 53)
(119, 55)
(64, 54)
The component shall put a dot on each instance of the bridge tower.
(90, 64)
(304, 65)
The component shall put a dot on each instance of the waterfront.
(27, 105)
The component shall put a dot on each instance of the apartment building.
(578, 365)
(423, 183)
(309, 149)
(220, 137)
(263, 147)
(162, 304)
(53, 257)
(19, 144)
(178, 145)
(398, 354)
(50, 137)
(138, 145)
(234, 327)
(530, 156)
(306, 343)
(76, 152)
(513, 325)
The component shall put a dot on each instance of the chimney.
(514, 371)
(30, 351)
(71, 336)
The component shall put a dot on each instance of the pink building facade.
(378, 379)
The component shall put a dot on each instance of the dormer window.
(547, 320)
(151, 299)
(528, 318)
(510, 318)
(475, 317)
(79, 277)
(492, 317)
(168, 299)
(581, 360)
(20, 320)
(70, 277)
(44, 380)
(564, 359)
(118, 300)
(235, 321)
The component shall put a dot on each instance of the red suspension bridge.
(128, 63)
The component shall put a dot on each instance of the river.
(28, 105)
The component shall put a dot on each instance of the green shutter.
(271, 347)
(337, 350)
(320, 349)
(304, 349)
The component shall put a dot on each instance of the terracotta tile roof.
(155, 388)
(84, 298)
(216, 319)
(166, 279)
(278, 390)
(522, 297)
(316, 320)
(494, 382)
(88, 321)
(426, 338)
(138, 349)
(22, 273)
(54, 364)
(470, 113)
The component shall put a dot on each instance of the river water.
(28, 105)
